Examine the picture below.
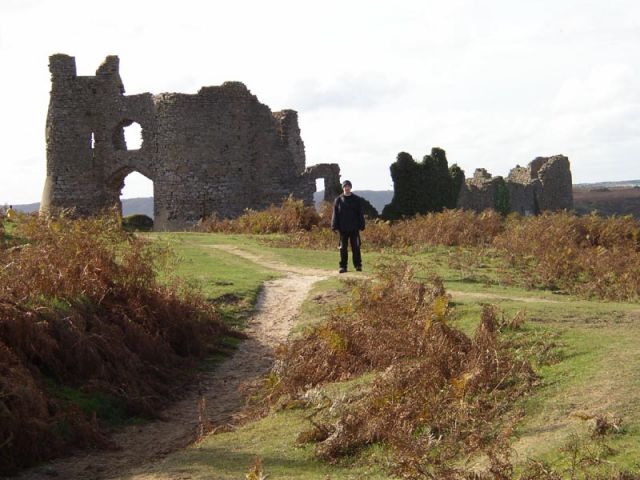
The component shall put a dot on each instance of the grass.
(597, 375)
(6, 230)
(590, 366)
(320, 301)
(228, 345)
(594, 365)
(231, 282)
(107, 408)
(596, 369)
(593, 368)
(262, 245)
(273, 439)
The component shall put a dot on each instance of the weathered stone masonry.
(219, 151)
(545, 184)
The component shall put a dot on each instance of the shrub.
(291, 216)
(436, 393)
(428, 186)
(80, 308)
(502, 200)
(138, 222)
(450, 227)
(588, 256)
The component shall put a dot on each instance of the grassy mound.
(88, 335)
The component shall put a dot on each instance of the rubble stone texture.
(545, 184)
(218, 151)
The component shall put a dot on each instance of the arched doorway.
(132, 192)
(136, 196)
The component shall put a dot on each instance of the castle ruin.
(219, 151)
(545, 184)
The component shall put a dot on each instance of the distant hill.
(377, 198)
(129, 206)
(607, 201)
(621, 184)
(142, 206)
(27, 208)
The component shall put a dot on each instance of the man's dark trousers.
(354, 238)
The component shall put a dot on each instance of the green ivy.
(428, 186)
(502, 199)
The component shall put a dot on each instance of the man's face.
(346, 189)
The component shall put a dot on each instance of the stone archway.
(116, 182)
(330, 173)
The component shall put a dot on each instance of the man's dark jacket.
(347, 214)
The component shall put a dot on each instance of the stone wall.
(545, 184)
(556, 183)
(218, 151)
(478, 193)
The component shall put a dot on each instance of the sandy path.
(276, 309)
(455, 294)
(274, 264)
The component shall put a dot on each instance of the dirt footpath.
(217, 393)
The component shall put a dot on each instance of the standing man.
(348, 220)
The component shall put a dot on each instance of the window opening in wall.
(319, 195)
(137, 195)
(133, 136)
(127, 136)
(93, 141)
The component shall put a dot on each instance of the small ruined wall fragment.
(478, 192)
(545, 184)
(557, 185)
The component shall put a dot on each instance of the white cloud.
(364, 91)
(604, 86)
(494, 83)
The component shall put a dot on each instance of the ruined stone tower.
(218, 151)
(545, 184)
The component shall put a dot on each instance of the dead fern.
(82, 311)
(436, 394)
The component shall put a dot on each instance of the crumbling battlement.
(545, 184)
(218, 151)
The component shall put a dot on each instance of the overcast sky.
(495, 83)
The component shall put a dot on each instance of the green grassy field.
(590, 363)
(225, 279)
